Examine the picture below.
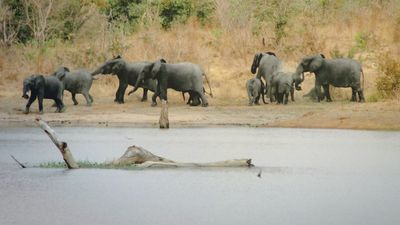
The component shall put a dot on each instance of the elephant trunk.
(25, 91)
(137, 84)
(97, 71)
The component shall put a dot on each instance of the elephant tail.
(363, 77)
(209, 86)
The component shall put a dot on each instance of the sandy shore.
(299, 114)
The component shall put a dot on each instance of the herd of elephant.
(159, 76)
(342, 72)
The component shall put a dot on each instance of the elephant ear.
(66, 69)
(256, 62)
(117, 66)
(322, 55)
(163, 60)
(271, 53)
(316, 63)
(156, 68)
(38, 82)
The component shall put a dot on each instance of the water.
(309, 176)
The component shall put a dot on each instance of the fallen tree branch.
(140, 157)
(19, 163)
(137, 156)
(62, 146)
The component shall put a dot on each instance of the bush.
(388, 85)
(174, 10)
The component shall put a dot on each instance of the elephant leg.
(91, 98)
(144, 97)
(154, 99)
(30, 101)
(74, 99)
(326, 93)
(122, 90)
(286, 98)
(353, 94)
(292, 94)
(318, 91)
(361, 95)
(40, 101)
(60, 105)
(87, 97)
(203, 98)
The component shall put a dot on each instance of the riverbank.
(299, 114)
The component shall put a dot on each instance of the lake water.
(309, 176)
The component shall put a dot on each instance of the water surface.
(309, 176)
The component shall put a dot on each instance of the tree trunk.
(164, 122)
(62, 146)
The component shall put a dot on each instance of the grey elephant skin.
(127, 74)
(266, 64)
(183, 77)
(341, 72)
(43, 87)
(283, 84)
(255, 89)
(76, 82)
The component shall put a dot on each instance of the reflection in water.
(308, 177)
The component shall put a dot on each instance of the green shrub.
(174, 10)
(205, 11)
(388, 85)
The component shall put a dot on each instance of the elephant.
(184, 77)
(283, 84)
(312, 94)
(77, 82)
(342, 72)
(127, 73)
(255, 88)
(48, 87)
(267, 64)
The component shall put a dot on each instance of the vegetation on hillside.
(36, 36)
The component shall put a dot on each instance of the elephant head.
(256, 62)
(61, 72)
(257, 59)
(112, 66)
(32, 83)
(307, 64)
(150, 71)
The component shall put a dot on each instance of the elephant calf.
(41, 87)
(283, 84)
(255, 87)
(77, 82)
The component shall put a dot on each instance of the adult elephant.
(127, 74)
(76, 82)
(43, 87)
(341, 72)
(184, 77)
(267, 64)
(283, 84)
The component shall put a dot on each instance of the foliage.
(174, 10)
(388, 85)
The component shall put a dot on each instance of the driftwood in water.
(140, 157)
(137, 157)
(164, 122)
(62, 146)
(18, 162)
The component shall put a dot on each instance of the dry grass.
(225, 49)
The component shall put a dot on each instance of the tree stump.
(62, 146)
(164, 122)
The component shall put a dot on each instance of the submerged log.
(140, 157)
(62, 146)
(164, 122)
(137, 156)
